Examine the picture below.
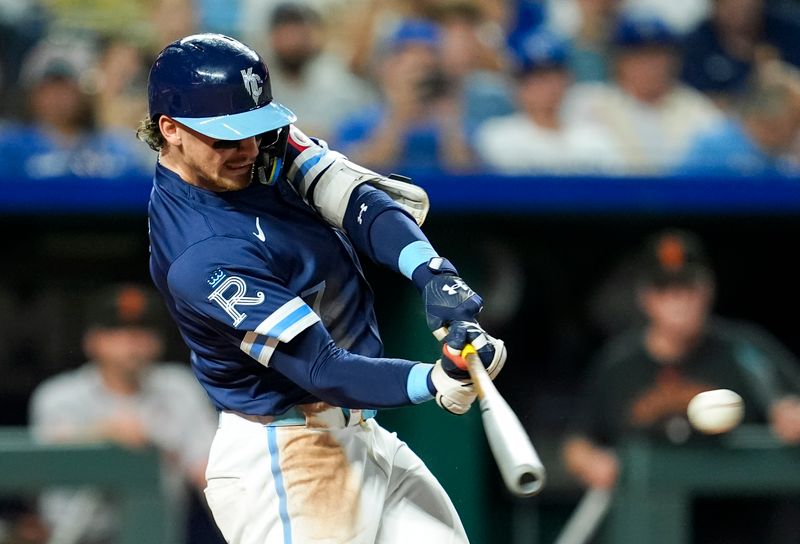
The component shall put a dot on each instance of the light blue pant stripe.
(277, 476)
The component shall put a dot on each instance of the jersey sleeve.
(251, 311)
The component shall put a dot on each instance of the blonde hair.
(149, 133)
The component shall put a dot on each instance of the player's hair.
(149, 133)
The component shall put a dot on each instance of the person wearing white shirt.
(537, 139)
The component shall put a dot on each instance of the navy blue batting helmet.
(215, 85)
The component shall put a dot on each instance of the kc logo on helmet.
(252, 82)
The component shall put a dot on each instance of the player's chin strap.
(269, 163)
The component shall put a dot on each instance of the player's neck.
(120, 383)
(665, 347)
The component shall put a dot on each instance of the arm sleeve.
(343, 378)
(383, 231)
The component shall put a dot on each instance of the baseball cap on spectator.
(639, 30)
(414, 31)
(126, 305)
(540, 50)
(674, 257)
(54, 60)
(287, 13)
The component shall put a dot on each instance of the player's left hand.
(491, 351)
(447, 299)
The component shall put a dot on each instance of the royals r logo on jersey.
(230, 293)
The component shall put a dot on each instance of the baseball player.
(254, 230)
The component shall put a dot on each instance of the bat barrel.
(519, 464)
(517, 460)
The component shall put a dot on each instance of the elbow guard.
(326, 180)
(330, 194)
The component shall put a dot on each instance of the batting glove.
(453, 395)
(448, 298)
(491, 351)
(454, 391)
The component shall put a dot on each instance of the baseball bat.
(586, 518)
(519, 464)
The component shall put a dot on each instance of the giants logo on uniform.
(230, 294)
(252, 82)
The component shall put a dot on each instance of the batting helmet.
(215, 85)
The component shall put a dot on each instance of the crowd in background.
(609, 87)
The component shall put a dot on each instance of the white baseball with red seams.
(715, 412)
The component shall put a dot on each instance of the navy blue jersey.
(271, 300)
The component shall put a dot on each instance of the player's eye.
(232, 144)
(226, 144)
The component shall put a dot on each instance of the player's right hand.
(491, 351)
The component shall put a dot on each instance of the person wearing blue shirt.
(755, 140)
(60, 137)
(418, 127)
(255, 231)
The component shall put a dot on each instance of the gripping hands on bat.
(450, 376)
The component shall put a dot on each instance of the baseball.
(715, 412)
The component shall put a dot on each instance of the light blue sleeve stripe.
(280, 488)
(417, 385)
(413, 255)
(289, 320)
(309, 163)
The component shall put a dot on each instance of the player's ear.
(169, 130)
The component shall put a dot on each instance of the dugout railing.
(133, 477)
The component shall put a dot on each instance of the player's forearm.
(381, 229)
(346, 379)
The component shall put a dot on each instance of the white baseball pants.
(328, 480)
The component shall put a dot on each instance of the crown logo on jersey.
(216, 277)
(252, 82)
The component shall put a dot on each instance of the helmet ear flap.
(272, 153)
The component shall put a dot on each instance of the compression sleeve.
(381, 229)
(343, 378)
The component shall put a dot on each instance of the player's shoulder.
(737, 331)
(67, 385)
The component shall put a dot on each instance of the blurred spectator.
(537, 139)
(474, 59)
(589, 25)
(22, 24)
(121, 83)
(682, 16)
(419, 126)
(720, 54)
(60, 136)
(646, 110)
(755, 140)
(317, 85)
(150, 23)
(124, 395)
(643, 380)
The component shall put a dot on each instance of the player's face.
(679, 310)
(124, 351)
(216, 165)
